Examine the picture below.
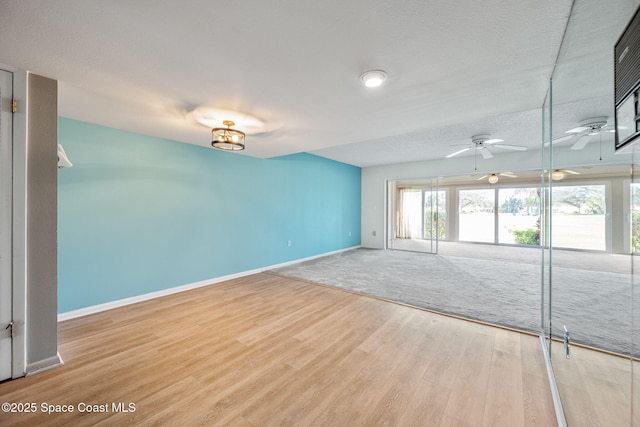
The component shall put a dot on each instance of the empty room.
(268, 213)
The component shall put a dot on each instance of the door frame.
(6, 225)
(19, 222)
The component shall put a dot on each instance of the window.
(435, 214)
(579, 217)
(519, 216)
(508, 215)
(476, 220)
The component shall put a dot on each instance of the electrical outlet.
(289, 243)
(375, 233)
(349, 234)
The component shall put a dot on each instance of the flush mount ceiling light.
(373, 78)
(493, 178)
(227, 138)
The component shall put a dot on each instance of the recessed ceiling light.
(373, 78)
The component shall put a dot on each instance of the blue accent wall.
(138, 214)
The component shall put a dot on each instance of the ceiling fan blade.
(570, 172)
(508, 174)
(581, 142)
(457, 152)
(579, 129)
(492, 141)
(485, 153)
(562, 139)
(511, 147)
(482, 177)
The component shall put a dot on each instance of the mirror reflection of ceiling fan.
(481, 144)
(494, 178)
(583, 134)
(559, 174)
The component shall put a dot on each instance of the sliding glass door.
(505, 215)
(417, 215)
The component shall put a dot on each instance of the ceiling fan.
(481, 143)
(583, 133)
(493, 176)
(559, 174)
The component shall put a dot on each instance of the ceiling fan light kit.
(560, 174)
(495, 177)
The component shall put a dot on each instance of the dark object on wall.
(627, 84)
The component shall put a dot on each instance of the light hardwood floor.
(595, 387)
(266, 350)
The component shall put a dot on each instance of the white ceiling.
(456, 68)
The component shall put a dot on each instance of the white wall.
(374, 179)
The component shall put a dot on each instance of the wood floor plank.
(449, 357)
(595, 387)
(315, 394)
(535, 383)
(505, 383)
(267, 350)
(466, 404)
(399, 390)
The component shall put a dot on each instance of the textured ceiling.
(455, 68)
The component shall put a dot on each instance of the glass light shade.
(227, 138)
(493, 178)
(557, 175)
(373, 78)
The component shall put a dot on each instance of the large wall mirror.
(589, 293)
(567, 229)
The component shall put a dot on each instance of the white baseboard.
(44, 365)
(144, 297)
